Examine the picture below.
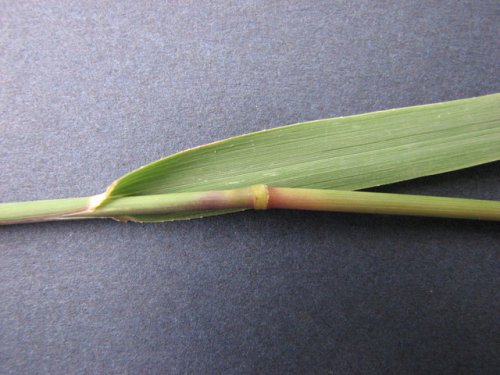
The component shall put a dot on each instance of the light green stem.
(256, 197)
(384, 203)
(44, 210)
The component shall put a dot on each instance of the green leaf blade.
(346, 153)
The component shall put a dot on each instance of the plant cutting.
(315, 165)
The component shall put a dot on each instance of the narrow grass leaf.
(346, 153)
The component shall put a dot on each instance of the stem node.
(260, 196)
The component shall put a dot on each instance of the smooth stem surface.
(383, 203)
(44, 210)
(254, 197)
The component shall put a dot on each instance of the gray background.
(90, 90)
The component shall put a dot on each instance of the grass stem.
(253, 197)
